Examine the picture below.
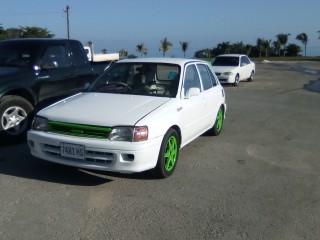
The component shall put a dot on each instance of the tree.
(304, 39)
(259, 45)
(277, 46)
(184, 47)
(123, 53)
(266, 46)
(165, 46)
(104, 51)
(35, 32)
(141, 49)
(283, 39)
(225, 47)
(293, 50)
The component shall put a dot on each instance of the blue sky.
(204, 23)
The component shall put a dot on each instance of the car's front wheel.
(168, 155)
(15, 114)
(236, 80)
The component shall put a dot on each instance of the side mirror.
(49, 65)
(242, 64)
(192, 92)
(86, 86)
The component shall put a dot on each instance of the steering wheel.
(120, 83)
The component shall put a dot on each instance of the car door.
(56, 77)
(211, 93)
(193, 108)
(245, 67)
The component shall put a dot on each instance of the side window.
(79, 55)
(191, 79)
(212, 77)
(206, 81)
(244, 61)
(55, 57)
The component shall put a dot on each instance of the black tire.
(168, 155)
(236, 80)
(15, 118)
(217, 127)
(250, 79)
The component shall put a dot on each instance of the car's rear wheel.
(236, 80)
(15, 118)
(217, 127)
(250, 79)
(168, 155)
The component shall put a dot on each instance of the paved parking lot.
(258, 180)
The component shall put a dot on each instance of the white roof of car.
(180, 61)
(231, 55)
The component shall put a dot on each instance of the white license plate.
(72, 150)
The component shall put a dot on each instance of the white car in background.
(136, 116)
(233, 68)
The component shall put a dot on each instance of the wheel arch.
(21, 92)
(178, 130)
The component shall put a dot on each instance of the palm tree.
(304, 39)
(283, 39)
(277, 46)
(165, 46)
(225, 47)
(259, 45)
(141, 49)
(123, 53)
(266, 46)
(184, 47)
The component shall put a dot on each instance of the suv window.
(206, 81)
(56, 57)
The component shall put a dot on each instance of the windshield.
(14, 55)
(149, 79)
(226, 61)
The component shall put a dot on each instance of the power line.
(27, 13)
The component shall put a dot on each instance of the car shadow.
(16, 160)
(313, 86)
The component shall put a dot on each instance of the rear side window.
(79, 55)
(205, 77)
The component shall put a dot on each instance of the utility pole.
(67, 12)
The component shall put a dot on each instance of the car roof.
(231, 55)
(180, 61)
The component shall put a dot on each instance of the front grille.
(94, 157)
(79, 130)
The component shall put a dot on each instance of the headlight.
(40, 124)
(227, 73)
(129, 134)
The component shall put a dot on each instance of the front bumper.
(100, 154)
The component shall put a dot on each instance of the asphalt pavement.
(258, 180)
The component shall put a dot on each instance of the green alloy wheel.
(217, 127)
(168, 154)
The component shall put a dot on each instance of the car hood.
(103, 109)
(221, 69)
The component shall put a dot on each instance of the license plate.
(72, 150)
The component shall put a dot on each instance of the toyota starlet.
(136, 116)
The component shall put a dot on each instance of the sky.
(123, 24)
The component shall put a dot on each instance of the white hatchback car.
(136, 116)
(233, 68)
